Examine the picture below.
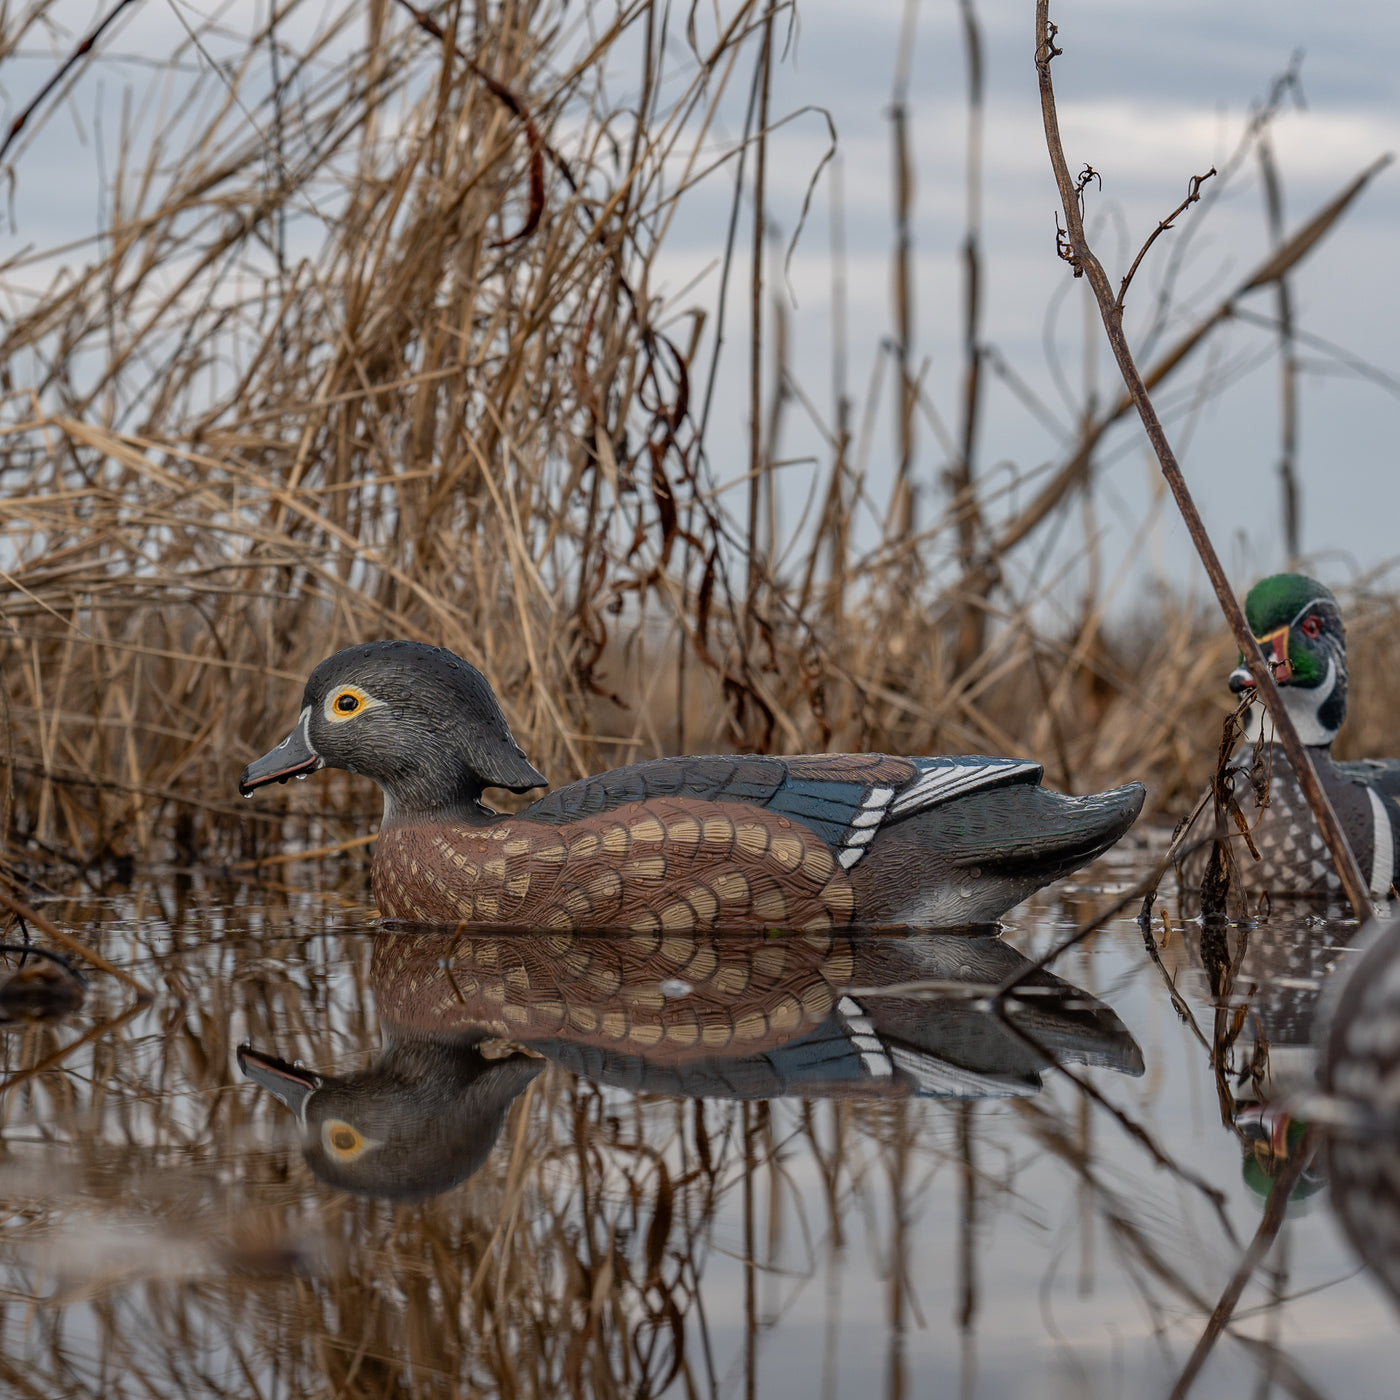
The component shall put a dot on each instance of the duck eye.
(1312, 626)
(342, 1140)
(346, 703)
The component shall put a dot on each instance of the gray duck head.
(1298, 626)
(421, 1119)
(420, 721)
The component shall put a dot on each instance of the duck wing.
(1383, 774)
(845, 798)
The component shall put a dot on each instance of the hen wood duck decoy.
(731, 841)
(730, 1016)
(1298, 625)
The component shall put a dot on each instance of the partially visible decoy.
(1361, 1078)
(1298, 625)
(727, 841)
(734, 1016)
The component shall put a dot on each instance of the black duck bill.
(292, 758)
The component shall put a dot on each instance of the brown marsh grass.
(460, 414)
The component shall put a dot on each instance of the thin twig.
(1193, 193)
(84, 48)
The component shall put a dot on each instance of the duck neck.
(413, 808)
(1316, 711)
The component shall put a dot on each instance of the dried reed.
(368, 348)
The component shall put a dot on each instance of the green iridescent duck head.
(1298, 626)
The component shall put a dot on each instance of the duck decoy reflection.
(722, 1016)
(1266, 983)
(1298, 625)
(733, 841)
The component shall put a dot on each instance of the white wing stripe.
(1383, 842)
(942, 783)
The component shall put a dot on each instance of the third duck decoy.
(725, 841)
(1298, 625)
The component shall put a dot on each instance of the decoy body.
(729, 1016)
(1298, 625)
(732, 841)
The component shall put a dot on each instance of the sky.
(1149, 93)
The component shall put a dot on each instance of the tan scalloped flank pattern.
(666, 865)
(622, 994)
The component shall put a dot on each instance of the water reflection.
(468, 1022)
(710, 1175)
(1265, 983)
(43, 986)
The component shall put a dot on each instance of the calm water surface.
(783, 1168)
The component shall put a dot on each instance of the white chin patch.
(1302, 706)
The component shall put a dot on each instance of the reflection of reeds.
(462, 420)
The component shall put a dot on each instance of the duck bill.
(1274, 645)
(290, 1084)
(292, 758)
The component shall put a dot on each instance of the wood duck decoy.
(731, 1016)
(726, 841)
(1298, 625)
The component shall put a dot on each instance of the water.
(642, 1220)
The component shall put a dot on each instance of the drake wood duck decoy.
(730, 1016)
(726, 841)
(1298, 626)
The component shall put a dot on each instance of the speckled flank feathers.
(663, 864)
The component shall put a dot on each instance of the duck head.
(1298, 626)
(420, 721)
(421, 1119)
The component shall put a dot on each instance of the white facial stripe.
(300, 730)
(1312, 603)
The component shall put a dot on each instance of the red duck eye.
(1312, 627)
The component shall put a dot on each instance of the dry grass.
(460, 415)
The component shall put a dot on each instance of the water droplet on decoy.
(676, 987)
(965, 892)
(974, 872)
(301, 777)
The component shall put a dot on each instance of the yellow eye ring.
(345, 702)
(342, 1140)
